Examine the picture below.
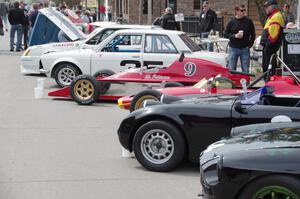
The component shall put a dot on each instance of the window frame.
(144, 48)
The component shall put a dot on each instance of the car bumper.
(30, 65)
(125, 133)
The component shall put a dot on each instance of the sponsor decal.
(190, 69)
(293, 38)
(154, 76)
(63, 45)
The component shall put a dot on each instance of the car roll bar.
(284, 66)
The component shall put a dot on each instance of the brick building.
(136, 11)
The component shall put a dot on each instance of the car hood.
(260, 151)
(71, 53)
(53, 47)
(63, 23)
(220, 58)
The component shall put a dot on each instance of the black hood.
(273, 150)
(208, 99)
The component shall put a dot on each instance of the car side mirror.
(181, 58)
(238, 107)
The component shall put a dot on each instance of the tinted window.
(190, 43)
(159, 44)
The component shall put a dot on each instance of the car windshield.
(255, 97)
(190, 43)
(99, 37)
(217, 82)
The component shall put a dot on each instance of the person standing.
(168, 20)
(288, 16)
(208, 22)
(272, 34)
(3, 13)
(33, 15)
(109, 13)
(16, 19)
(241, 34)
(102, 11)
(1, 27)
(86, 17)
(26, 25)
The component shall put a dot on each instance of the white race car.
(30, 60)
(124, 49)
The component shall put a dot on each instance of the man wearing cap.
(272, 34)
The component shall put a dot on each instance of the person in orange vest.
(272, 34)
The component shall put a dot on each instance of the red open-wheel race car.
(86, 89)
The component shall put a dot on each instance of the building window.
(197, 5)
(145, 6)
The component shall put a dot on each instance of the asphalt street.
(56, 149)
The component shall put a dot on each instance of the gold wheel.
(141, 100)
(84, 89)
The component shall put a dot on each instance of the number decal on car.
(189, 69)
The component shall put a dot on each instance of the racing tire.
(159, 146)
(281, 186)
(84, 90)
(104, 87)
(171, 84)
(139, 99)
(65, 73)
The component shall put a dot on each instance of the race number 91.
(189, 69)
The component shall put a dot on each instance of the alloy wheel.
(157, 146)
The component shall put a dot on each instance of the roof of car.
(135, 26)
(150, 31)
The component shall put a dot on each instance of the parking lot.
(53, 148)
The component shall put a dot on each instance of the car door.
(159, 51)
(122, 52)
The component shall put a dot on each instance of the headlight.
(27, 52)
(212, 171)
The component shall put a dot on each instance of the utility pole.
(140, 11)
(149, 11)
(298, 15)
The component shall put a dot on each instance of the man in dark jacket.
(168, 20)
(16, 19)
(26, 25)
(241, 34)
(208, 21)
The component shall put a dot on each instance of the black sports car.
(257, 162)
(162, 135)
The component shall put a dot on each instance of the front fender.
(136, 119)
(52, 66)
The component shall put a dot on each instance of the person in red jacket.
(272, 34)
(102, 12)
